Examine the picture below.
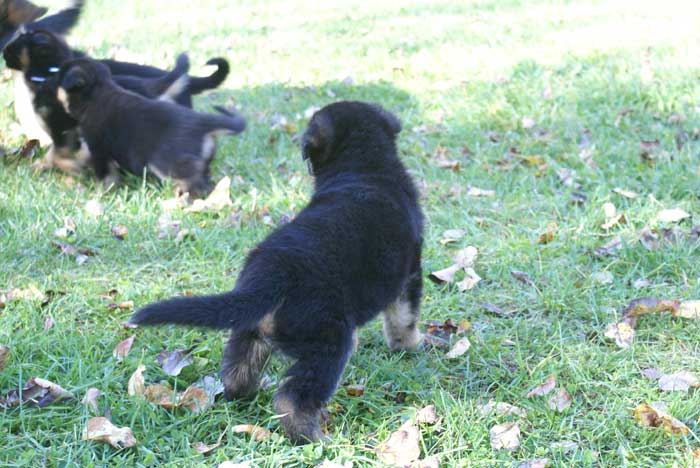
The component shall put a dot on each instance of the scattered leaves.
(37, 391)
(505, 436)
(193, 398)
(501, 409)
(219, 198)
(560, 401)
(655, 415)
(622, 333)
(123, 348)
(173, 362)
(258, 433)
(680, 381)
(544, 388)
(452, 235)
(136, 384)
(402, 447)
(459, 348)
(438, 333)
(204, 449)
(101, 429)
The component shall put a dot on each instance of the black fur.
(135, 133)
(353, 252)
(15, 13)
(38, 55)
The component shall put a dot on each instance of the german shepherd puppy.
(352, 253)
(135, 133)
(37, 54)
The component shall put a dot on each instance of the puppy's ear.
(390, 121)
(75, 79)
(15, 54)
(23, 11)
(317, 139)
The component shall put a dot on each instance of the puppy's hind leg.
(310, 383)
(401, 317)
(244, 359)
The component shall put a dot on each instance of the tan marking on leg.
(63, 98)
(400, 326)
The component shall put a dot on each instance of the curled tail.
(199, 84)
(230, 310)
(173, 84)
(62, 22)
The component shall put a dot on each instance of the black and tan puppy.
(136, 134)
(37, 55)
(353, 252)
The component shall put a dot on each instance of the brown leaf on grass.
(120, 232)
(39, 392)
(427, 415)
(28, 149)
(136, 384)
(194, 399)
(81, 254)
(212, 385)
(651, 373)
(402, 447)
(680, 381)
(90, 399)
(522, 277)
(68, 228)
(4, 351)
(452, 235)
(173, 362)
(258, 433)
(471, 279)
(101, 429)
(673, 215)
(609, 248)
(649, 149)
(161, 395)
(505, 436)
(501, 409)
(560, 401)
(438, 333)
(532, 160)
(459, 348)
(355, 390)
(219, 198)
(537, 463)
(205, 449)
(612, 218)
(655, 415)
(441, 158)
(126, 305)
(549, 235)
(625, 193)
(621, 332)
(688, 310)
(543, 389)
(446, 275)
(123, 348)
(466, 257)
(649, 305)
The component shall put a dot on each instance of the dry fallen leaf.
(355, 390)
(219, 198)
(648, 305)
(680, 381)
(37, 391)
(402, 447)
(4, 351)
(622, 333)
(94, 208)
(501, 409)
(258, 433)
(68, 228)
(689, 310)
(537, 463)
(194, 399)
(544, 388)
(564, 446)
(655, 415)
(90, 399)
(550, 235)
(471, 279)
(651, 373)
(205, 449)
(466, 257)
(126, 305)
(427, 415)
(161, 395)
(625, 193)
(438, 333)
(102, 429)
(123, 348)
(505, 436)
(560, 401)
(30, 293)
(672, 215)
(452, 235)
(136, 384)
(522, 277)
(459, 348)
(609, 248)
(120, 232)
(446, 275)
(173, 362)
(477, 192)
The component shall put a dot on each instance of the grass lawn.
(519, 93)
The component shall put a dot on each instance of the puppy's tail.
(199, 84)
(230, 310)
(176, 81)
(226, 121)
(61, 22)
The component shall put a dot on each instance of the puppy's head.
(77, 82)
(16, 12)
(38, 53)
(346, 123)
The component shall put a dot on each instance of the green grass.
(459, 74)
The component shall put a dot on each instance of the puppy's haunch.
(135, 133)
(351, 254)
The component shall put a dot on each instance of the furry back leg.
(244, 359)
(401, 317)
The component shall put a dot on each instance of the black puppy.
(135, 133)
(352, 253)
(15, 13)
(36, 54)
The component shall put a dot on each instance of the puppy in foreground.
(128, 131)
(354, 252)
